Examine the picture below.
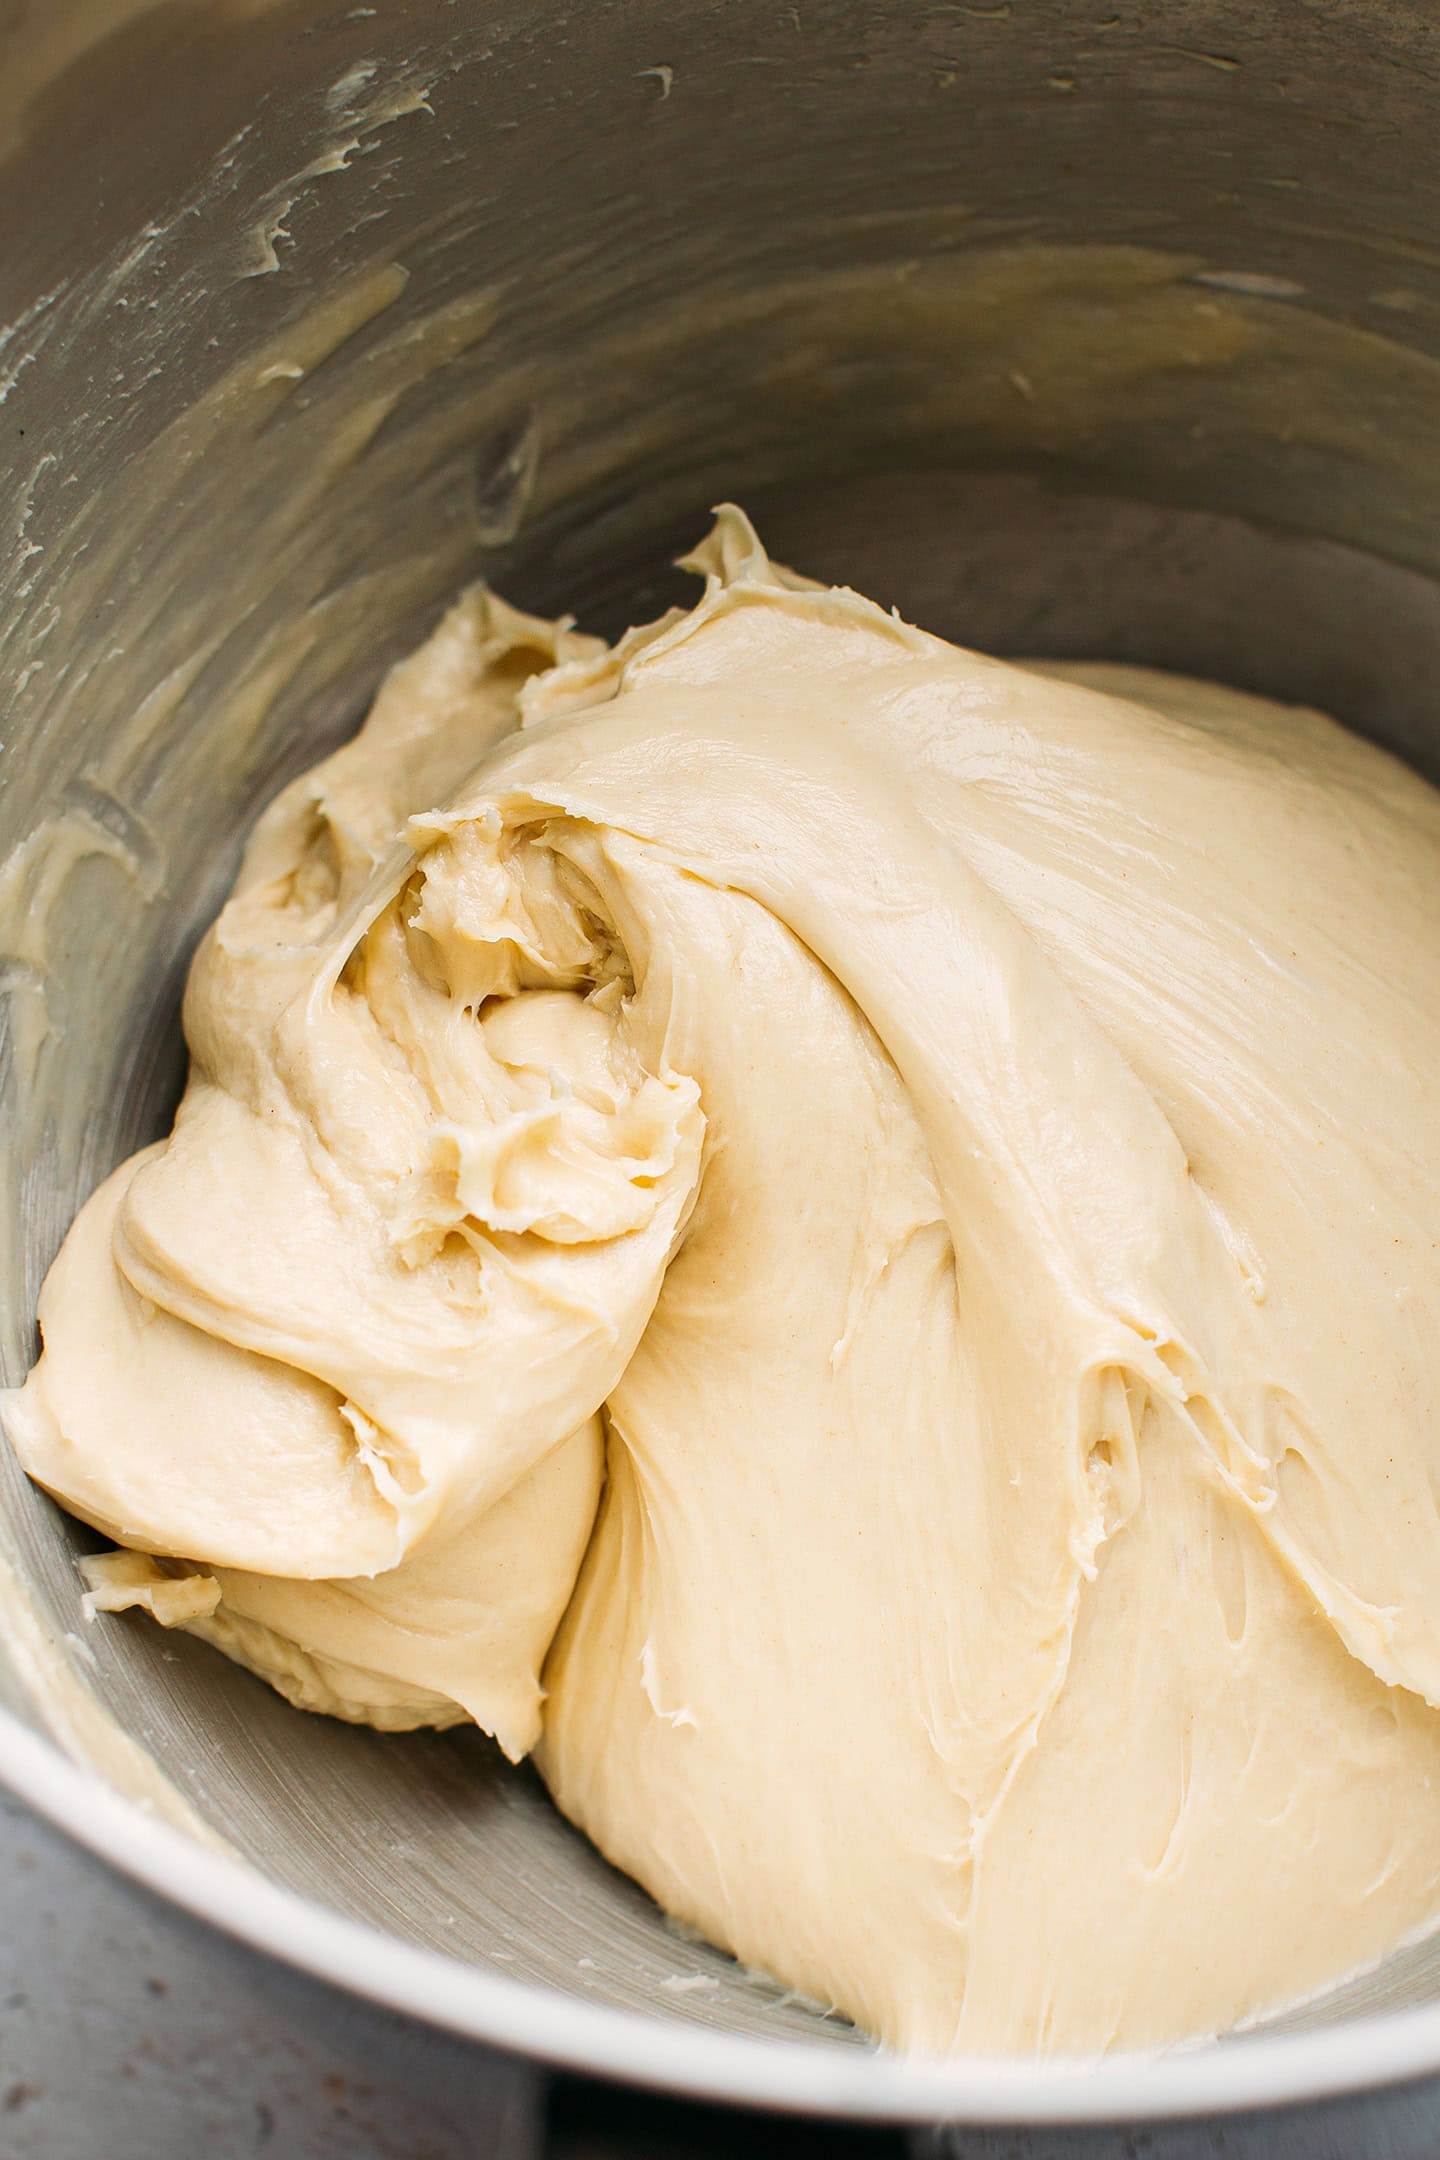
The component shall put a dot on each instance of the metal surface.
(129, 2031)
(311, 311)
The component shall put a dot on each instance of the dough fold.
(950, 1149)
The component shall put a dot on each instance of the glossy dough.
(954, 1150)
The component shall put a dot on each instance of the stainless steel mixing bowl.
(1071, 325)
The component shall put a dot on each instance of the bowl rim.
(1362, 2053)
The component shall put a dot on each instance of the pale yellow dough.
(954, 1150)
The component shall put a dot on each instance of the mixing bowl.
(1085, 326)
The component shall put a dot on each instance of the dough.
(954, 1147)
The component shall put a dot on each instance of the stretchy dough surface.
(872, 1216)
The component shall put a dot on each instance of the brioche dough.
(952, 1149)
